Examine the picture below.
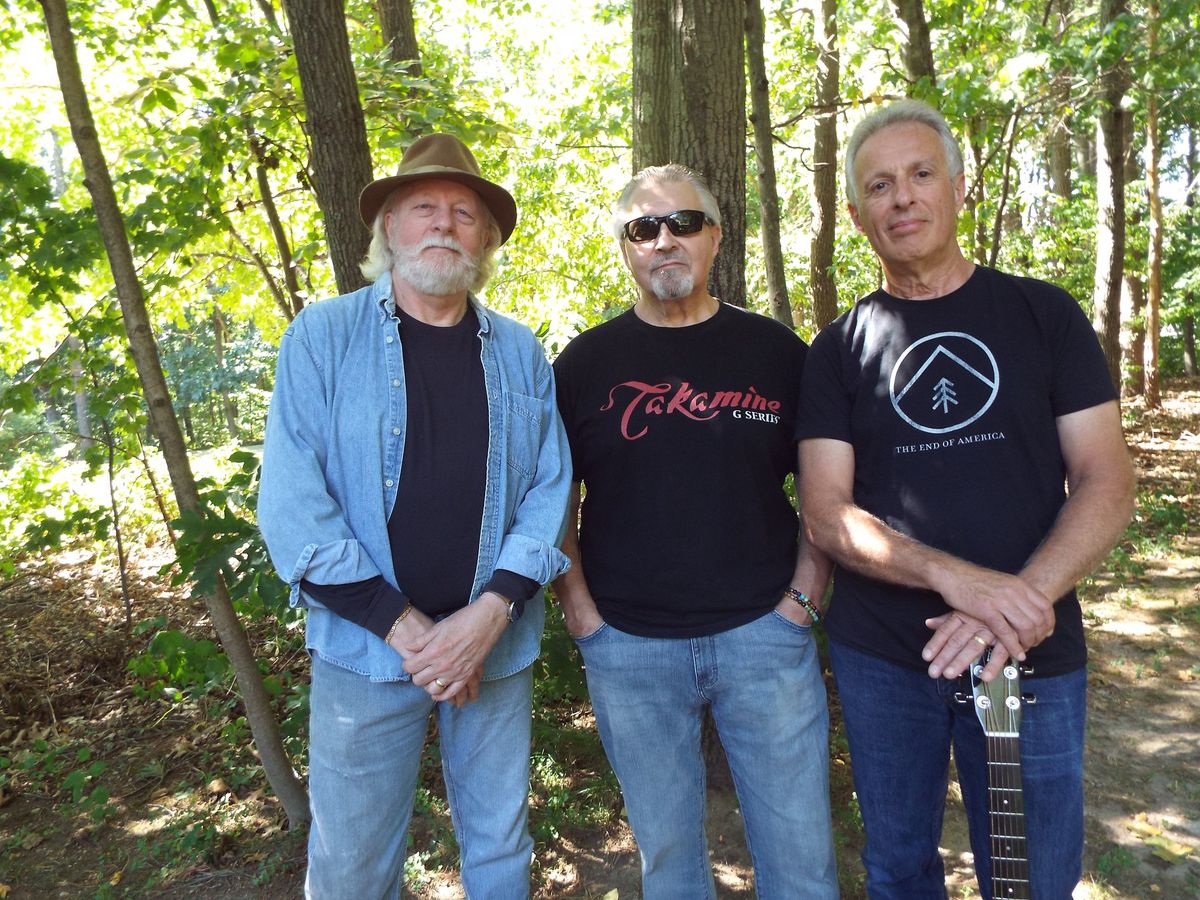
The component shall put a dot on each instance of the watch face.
(514, 611)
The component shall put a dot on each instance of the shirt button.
(395, 382)
(389, 482)
(395, 431)
(390, 339)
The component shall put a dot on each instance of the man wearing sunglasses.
(689, 588)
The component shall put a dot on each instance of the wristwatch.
(513, 608)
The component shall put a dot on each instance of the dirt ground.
(63, 678)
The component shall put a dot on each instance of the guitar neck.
(1006, 808)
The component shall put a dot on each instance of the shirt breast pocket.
(524, 432)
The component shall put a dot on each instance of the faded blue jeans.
(763, 682)
(364, 754)
(901, 724)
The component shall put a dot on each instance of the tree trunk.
(1154, 260)
(1058, 149)
(1189, 345)
(1110, 205)
(1133, 310)
(1189, 321)
(83, 423)
(1006, 188)
(689, 106)
(144, 351)
(768, 193)
(340, 155)
(825, 166)
(918, 54)
(975, 197)
(283, 247)
(228, 404)
(1133, 289)
(1085, 153)
(399, 33)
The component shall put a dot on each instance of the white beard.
(672, 283)
(441, 276)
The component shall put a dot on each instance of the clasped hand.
(446, 657)
(991, 609)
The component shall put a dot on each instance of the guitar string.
(1009, 857)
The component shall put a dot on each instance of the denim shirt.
(331, 463)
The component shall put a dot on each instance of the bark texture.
(689, 106)
(340, 157)
(768, 191)
(918, 53)
(400, 33)
(825, 166)
(1110, 205)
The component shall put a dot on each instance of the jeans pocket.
(790, 625)
(591, 635)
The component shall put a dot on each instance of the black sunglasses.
(680, 222)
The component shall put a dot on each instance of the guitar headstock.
(997, 702)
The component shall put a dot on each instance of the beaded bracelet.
(399, 619)
(802, 598)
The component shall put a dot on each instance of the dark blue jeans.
(901, 725)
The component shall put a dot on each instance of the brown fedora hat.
(441, 156)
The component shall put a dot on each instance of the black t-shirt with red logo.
(950, 405)
(683, 438)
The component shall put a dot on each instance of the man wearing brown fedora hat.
(415, 480)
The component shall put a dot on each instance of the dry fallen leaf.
(1165, 848)
(4, 889)
(1142, 826)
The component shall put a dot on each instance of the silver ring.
(982, 642)
(440, 683)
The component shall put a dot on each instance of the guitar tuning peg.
(960, 697)
(1025, 670)
(1029, 698)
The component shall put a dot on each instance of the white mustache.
(445, 241)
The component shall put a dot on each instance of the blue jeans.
(364, 753)
(764, 685)
(901, 724)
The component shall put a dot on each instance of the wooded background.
(178, 179)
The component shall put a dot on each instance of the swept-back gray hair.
(898, 113)
(379, 258)
(671, 173)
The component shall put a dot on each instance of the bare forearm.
(813, 570)
(1087, 527)
(571, 588)
(859, 541)
(1018, 614)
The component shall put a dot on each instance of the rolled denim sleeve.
(303, 524)
(530, 543)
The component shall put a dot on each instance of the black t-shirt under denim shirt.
(435, 523)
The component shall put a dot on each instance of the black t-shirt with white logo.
(950, 405)
(683, 438)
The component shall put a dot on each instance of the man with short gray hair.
(940, 419)
(689, 588)
(415, 479)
